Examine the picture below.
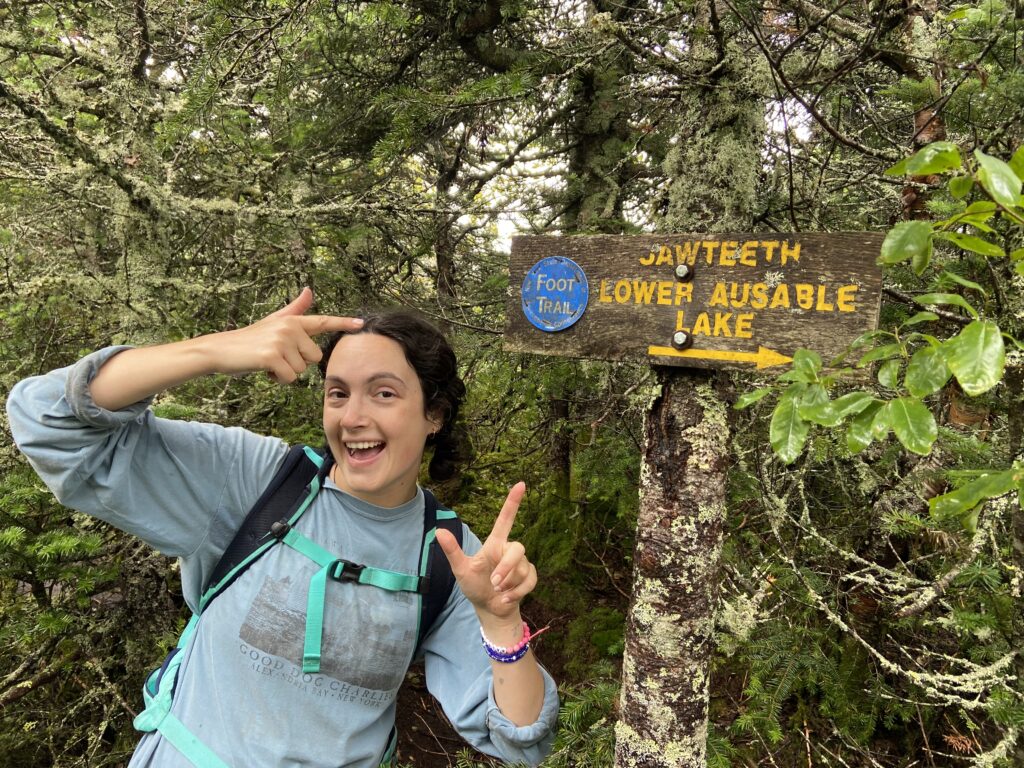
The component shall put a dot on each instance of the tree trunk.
(714, 167)
(670, 632)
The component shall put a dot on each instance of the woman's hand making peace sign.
(499, 576)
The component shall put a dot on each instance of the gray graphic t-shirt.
(184, 487)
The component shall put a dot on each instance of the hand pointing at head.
(281, 343)
(499, 576)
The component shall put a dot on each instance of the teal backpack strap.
(289, 493)
(336, 569)
(158, 695)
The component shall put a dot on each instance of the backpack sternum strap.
(337, 569)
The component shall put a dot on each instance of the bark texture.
(670, 630)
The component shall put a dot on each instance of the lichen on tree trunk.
(670, 630)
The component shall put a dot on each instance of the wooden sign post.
(724, 301)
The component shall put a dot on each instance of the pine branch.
(137, 191)
(42, 677)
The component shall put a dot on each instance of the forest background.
(175, 167)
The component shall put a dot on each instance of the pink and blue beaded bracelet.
(507, 655)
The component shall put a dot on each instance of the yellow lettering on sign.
(748, 253)
(743, 323)
(759, 296)
(845, 299)
(781, 296)
(710, 246)
(737, 300)
(664, 256)
(719, 298)
(804, 295)
(648, 259)
(790, 252)
(822, 304)
(769, 249)
(643, 291)
(727, 255)
(687, 252)
(664, 293)
(723, 324)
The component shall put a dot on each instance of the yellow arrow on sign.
(764, 357)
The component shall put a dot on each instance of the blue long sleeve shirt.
(185, 487)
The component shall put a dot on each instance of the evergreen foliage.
(175, 167)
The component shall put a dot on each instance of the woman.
(243, 696)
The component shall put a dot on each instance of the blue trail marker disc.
(555, 293)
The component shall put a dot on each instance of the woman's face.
(374, 419)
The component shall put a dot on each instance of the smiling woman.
(328, 623)
(377, 416)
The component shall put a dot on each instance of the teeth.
(362, 446)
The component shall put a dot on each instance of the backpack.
(271, 522)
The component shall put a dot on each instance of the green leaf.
(920, 317)
(1017, 254)
(814, 406)
(976, 356)
(900, 169)
(808, 361)
(852, 403)
(882, 422)
(964, 282)
(998, 179)
(937, 157)
(960, 186)
(749, 398)
(927, 372)
(907, 240)
(1017, 162)
(880, 353)
(889, 373)
(913, 424)
(787, 432)
(972, 243)
(806, 365)
(948, 298)
(984, 208)
(858, 435)
(970, 495)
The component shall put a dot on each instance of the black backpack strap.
(437, 570)
(280, 498)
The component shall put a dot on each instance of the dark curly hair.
(431, 356)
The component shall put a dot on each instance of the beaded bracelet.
(512, 653)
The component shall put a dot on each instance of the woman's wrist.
(501, 630)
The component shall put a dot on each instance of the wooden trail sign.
(740, 301)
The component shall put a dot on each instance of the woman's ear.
(436, 421)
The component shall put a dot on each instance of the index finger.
(314, 324)
(507, 516)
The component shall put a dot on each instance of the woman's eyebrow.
(372, 378)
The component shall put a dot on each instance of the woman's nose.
(353, 415)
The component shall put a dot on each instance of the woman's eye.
(386, 394)
(335, 394)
